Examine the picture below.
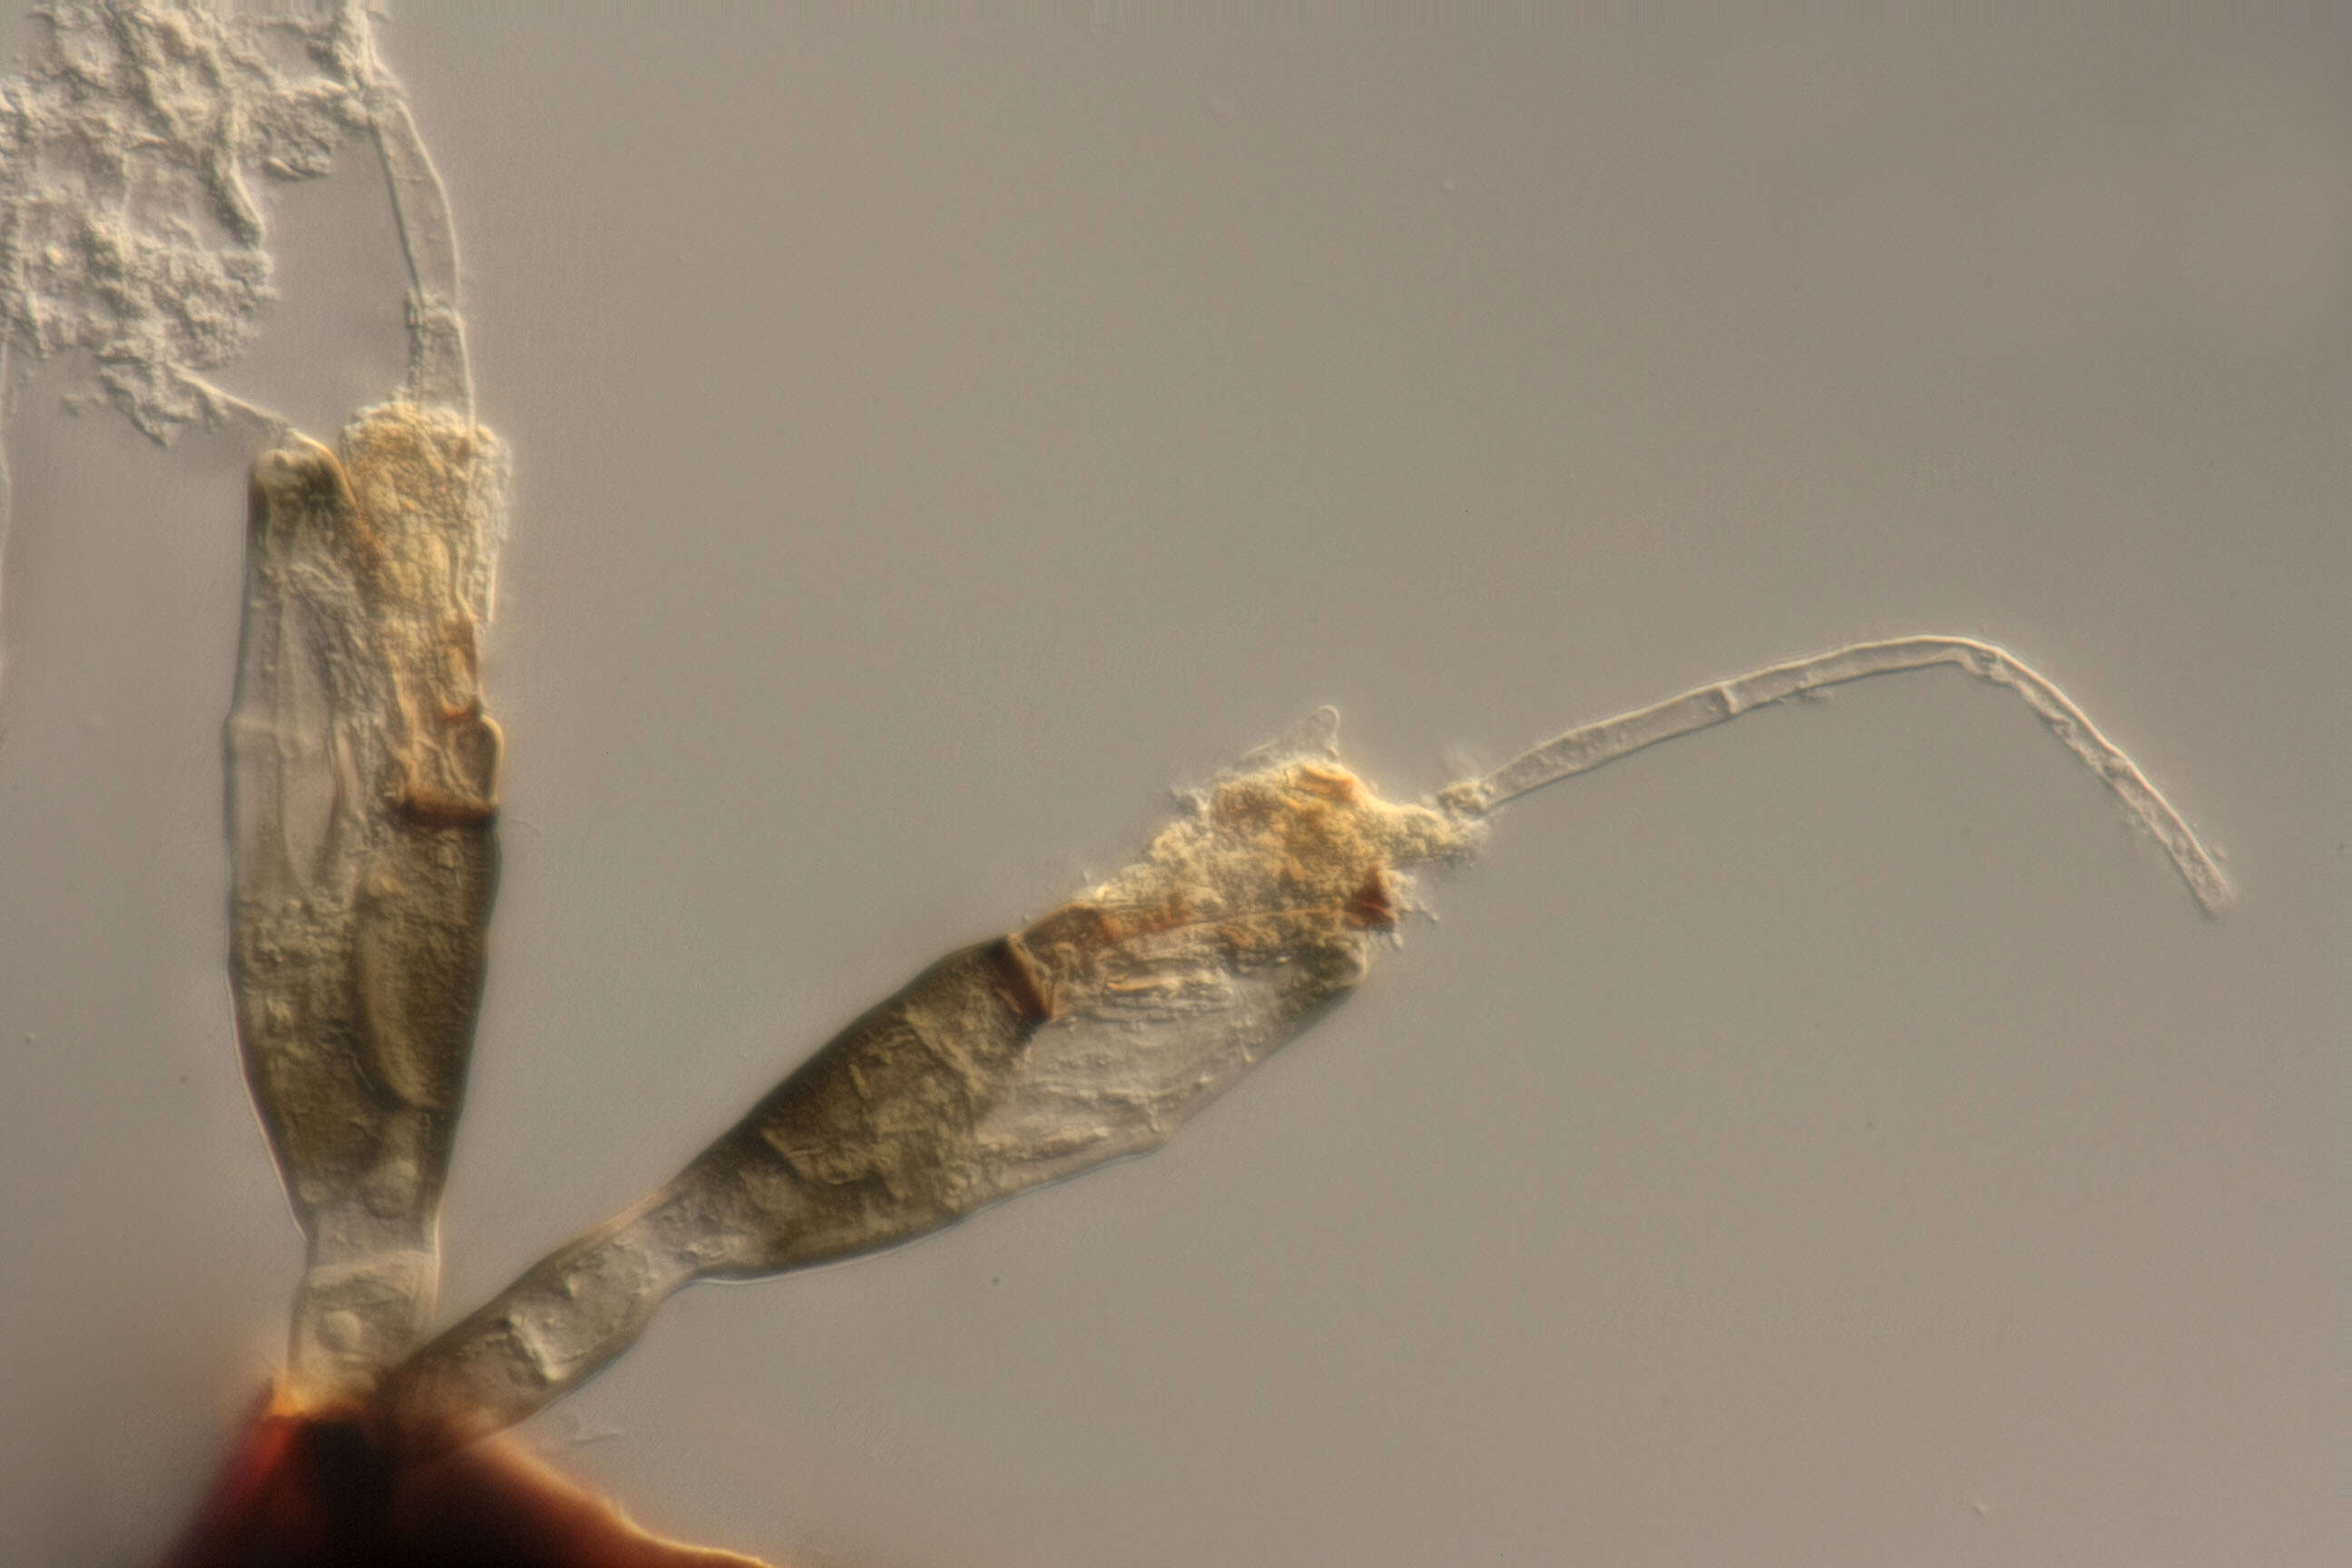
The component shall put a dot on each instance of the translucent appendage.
(1593, 745)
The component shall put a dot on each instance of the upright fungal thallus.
(1092, 1032)
(362, 798)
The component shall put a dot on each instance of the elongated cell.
(363, 797)
(1091, 1033)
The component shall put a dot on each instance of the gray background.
(1831, 1140)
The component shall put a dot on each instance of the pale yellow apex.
(1288, 857)
(1299, 836)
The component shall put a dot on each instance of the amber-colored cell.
(1372, 904)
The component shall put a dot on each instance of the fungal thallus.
(1092, 1032)
(363, 795)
